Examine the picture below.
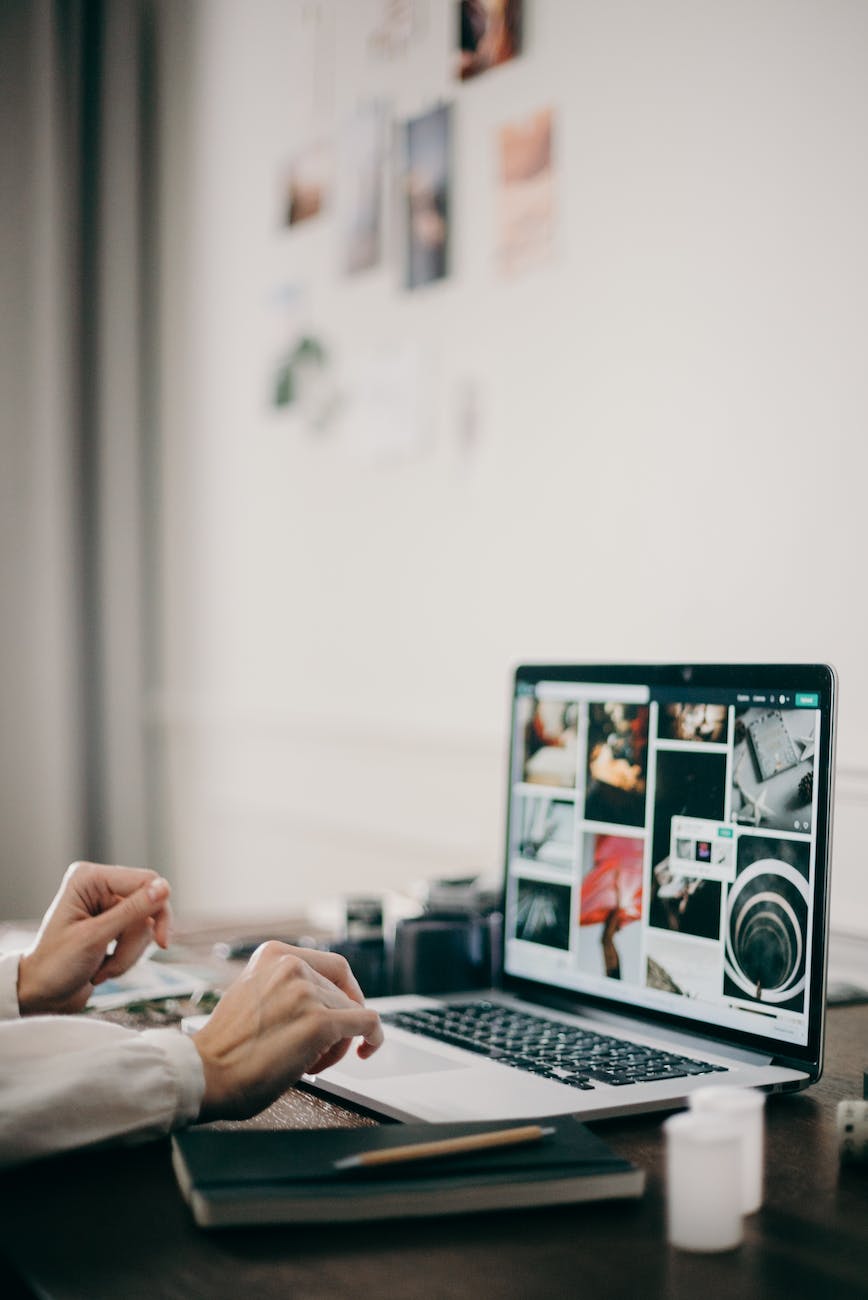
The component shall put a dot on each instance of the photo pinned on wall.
(384, 419)
(400, 25)
(301, 376)
(525, 197)
(308, 182)
(426, 196)
(489, 33)
(287, 323)
(360, 188)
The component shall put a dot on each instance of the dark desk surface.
(112, 1224)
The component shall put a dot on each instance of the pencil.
(504, 1137)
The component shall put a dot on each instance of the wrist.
(28, 987)
(233, 1090)
(213, 1105)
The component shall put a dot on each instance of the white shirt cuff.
(186, 1065)
(9, 1009)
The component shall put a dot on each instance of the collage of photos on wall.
(372, 184)
(678, 861)
(348, 167)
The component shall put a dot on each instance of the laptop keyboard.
(566, 1053)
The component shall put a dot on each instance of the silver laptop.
(665, 902)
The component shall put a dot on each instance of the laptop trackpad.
(396, 1059)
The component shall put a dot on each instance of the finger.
(121, 881)
(292, 988)
(162, 919)
(336, 1030)
(357, 1023)
(346, 993)
(289, 966)
(131, 944)
(99, 885)
(149, 900)
(335, 968)
(295, 985)
(330, 1057)
(325, 969)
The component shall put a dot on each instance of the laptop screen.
(667, 842)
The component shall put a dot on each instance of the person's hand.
(96, 906)
(291, 1012)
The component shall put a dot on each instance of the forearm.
(67, 1082)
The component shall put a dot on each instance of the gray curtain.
(77, 471)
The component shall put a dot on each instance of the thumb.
(145, 901)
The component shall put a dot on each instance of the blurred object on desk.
(363, 943)
(446, 954)
(363, 917)
(847, 981)
(244, 948)
(443, 937)
(477, 895)
(369, 961)
(148, 981)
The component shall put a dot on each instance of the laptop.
(665, 922)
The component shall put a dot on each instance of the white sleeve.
(9, 985)
(70, 1081)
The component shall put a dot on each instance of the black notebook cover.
(254, 1176)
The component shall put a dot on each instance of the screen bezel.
(818, 678)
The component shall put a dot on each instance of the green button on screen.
(807, 700)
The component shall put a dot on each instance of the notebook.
(256, 1177)
(666, 877)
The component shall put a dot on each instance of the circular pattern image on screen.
(766, 928)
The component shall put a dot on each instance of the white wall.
(40, 777)
(671, 452)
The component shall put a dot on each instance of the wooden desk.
(112, 1224)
